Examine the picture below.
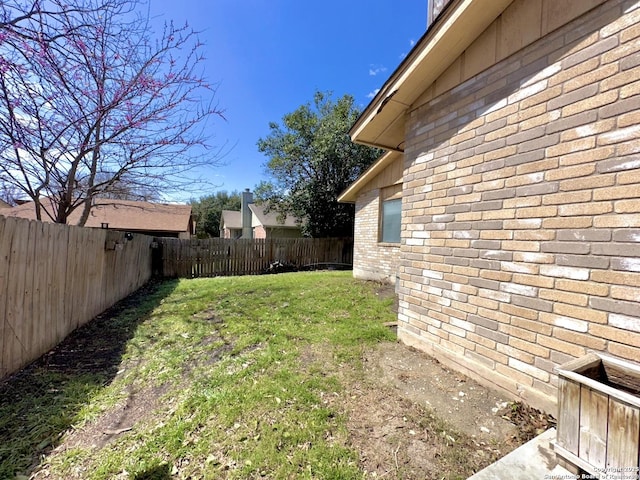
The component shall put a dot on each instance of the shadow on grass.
(39, 403)
(159, 472)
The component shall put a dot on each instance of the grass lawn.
(208, 378)
(243, 377)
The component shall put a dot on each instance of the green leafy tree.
(311, 161)
(208, 210)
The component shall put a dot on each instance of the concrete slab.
(535, 460)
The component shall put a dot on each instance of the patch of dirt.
(467, 405)
(91, 356)
(409, 417)
(391, 435)
(386, 291)
(412, 418)
(137, 406)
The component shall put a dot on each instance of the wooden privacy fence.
(221, 257)
(54, 278)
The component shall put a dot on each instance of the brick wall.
(372, 260)
(521, 209)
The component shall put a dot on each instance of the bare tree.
(8, 195)
(90, 103)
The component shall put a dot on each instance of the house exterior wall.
(277, 232)
(259, 232)
(521, 208)
(231, 232)
(372, 260)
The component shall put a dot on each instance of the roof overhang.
(382, 122)
(350, 195)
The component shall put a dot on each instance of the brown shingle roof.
(120, 215)
(231, 219)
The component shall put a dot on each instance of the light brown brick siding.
(372, 260)
(521, 209)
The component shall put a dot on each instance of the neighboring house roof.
(382, 122)
(121, 215)
(4, 204)
(231, 219)
(350, 195)
(271, 219)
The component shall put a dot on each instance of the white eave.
(382, 122)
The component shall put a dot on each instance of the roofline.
(445, 39)
(350, 195)
(379, 98)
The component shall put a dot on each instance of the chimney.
(245, 213)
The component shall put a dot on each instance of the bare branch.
(90, 102)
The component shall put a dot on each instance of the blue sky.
(269, 56)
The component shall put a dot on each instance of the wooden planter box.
(599, 415)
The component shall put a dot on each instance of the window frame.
(392, 193)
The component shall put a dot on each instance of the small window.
(390, 214)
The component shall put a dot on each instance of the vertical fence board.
(6, 233)
(28, 321)
(97, 292)
(13, 351)
(80, 278)
(39, 292)
(9, 334)
(46, 254)
(59, 284)
(70, 282)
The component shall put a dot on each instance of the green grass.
(238, 367)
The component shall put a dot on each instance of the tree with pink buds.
(90, 105)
